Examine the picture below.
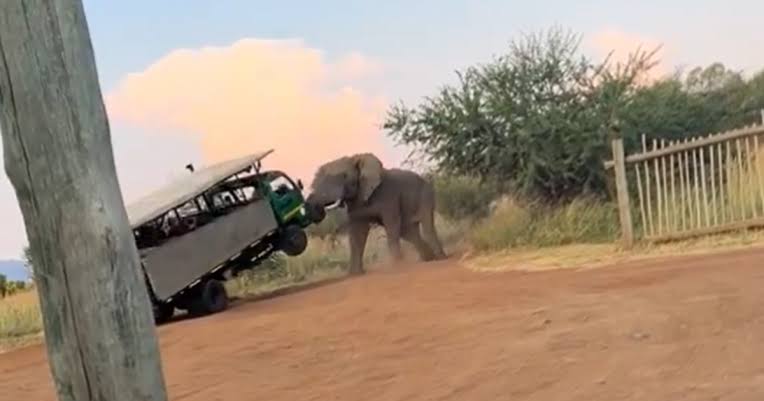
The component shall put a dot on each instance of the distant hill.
(13, 270)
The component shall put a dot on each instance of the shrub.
(19, 316)
(517, 224)
(462, 197)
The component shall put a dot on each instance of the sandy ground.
(684, 329)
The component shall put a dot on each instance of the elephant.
(399, 200)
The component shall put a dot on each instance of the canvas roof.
(186, 188)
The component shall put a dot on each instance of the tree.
(535, 118)
(99, 327)
(28, 261)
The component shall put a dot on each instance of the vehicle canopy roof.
(186, 188)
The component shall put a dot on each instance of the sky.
(200, 81)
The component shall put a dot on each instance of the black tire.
(163, 312)
(315, 213)
(293, 240)
(210, 298)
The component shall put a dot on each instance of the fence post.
(622, 191)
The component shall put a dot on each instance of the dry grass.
(522, 224)
(587, 256)
(20, 320)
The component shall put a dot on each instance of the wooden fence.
(694, 187)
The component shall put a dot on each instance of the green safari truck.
(211, 224)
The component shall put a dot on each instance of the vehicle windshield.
(279, 183)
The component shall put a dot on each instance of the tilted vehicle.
(211, 224)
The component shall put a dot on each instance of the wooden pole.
(703, 190)
(640, 193)
(712, 176)
(622, 190)
(648, 190)
(740, 181)
(99, 327)
(658, 189)
(683, 196)
(757, 151)
(672, 174)
(750, 196)
(696, 186)
(723, 201)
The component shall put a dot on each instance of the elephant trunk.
(324, 198)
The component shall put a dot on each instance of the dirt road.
(688, 329)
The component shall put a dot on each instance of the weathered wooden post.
(99, 327)
(622, 189)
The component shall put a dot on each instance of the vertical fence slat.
(696, 186)
(648, 195)
(730, 194)
(740, 184)
(690, 209)
(757, 152)
(722, 203)
(665, 192)
(674, 224)
(712, 175)
(641, 195)
(683, 195)
(658, 193)
(704, 192)
(750, 190)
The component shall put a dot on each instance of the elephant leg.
(392, 224)
(411, 234)
(358, 233)
(431, 234)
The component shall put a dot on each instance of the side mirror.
(299, 184)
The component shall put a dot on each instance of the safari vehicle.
(210, 225)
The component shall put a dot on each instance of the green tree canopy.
(537, 119)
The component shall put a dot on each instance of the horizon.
(206, 85)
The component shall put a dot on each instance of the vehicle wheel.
(211, 298)
(293, 240)
(315, 213)
(163, 312)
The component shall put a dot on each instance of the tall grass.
(19, 317)
(516, 223)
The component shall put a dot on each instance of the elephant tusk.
(334, 205)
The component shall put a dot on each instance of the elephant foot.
(356, 272)
(427, 258)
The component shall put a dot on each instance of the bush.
(520, 224)
(19, 316)
(462, 197)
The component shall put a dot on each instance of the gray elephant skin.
(401, 201)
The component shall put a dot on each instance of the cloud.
(258, 94)
(622, 44)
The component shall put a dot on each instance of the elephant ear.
(369, 174)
